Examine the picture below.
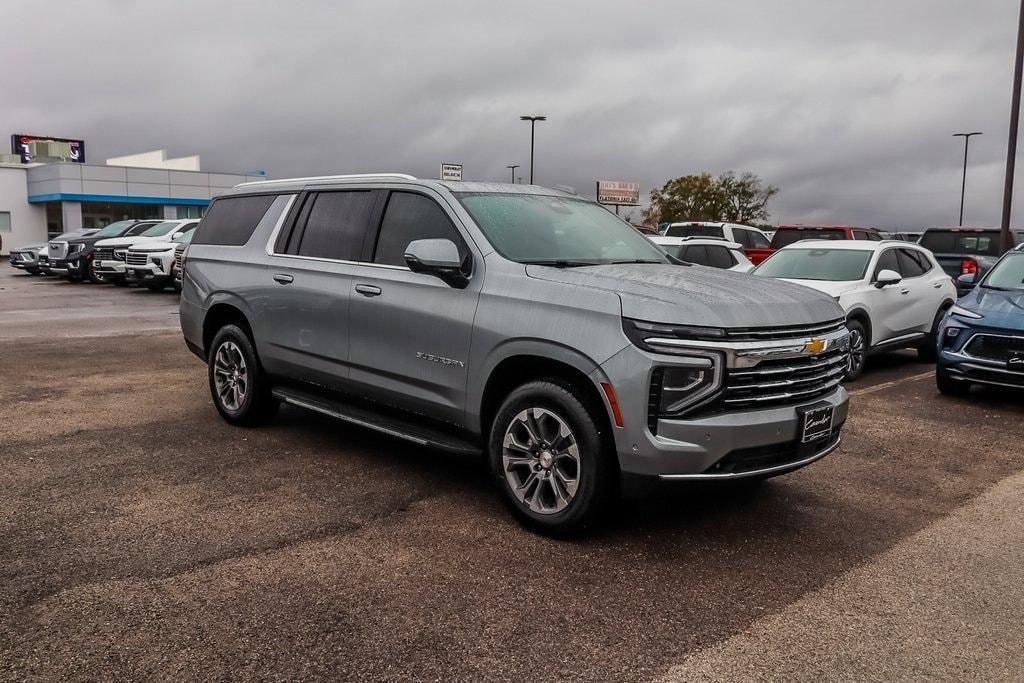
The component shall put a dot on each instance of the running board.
(385, 424)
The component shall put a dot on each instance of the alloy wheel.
(856, 359)
(230, 375)
(541, 459)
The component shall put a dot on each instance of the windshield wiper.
(998, 289)
(560, 263)
(637, 260)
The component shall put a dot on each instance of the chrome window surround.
(750, 353)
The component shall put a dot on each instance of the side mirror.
(887, 277)
(966, 279)
(437, 257)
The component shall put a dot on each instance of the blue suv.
(981, 339)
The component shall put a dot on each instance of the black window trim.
(373, 234)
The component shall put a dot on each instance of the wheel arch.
(221, 313)
(530, 363)
(862, 316)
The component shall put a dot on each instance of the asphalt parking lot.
(143, 537)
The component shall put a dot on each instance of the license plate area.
(816, 421)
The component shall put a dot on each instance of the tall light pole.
(512, 171)
(1011, 144)
(533, 122)
(963, 183)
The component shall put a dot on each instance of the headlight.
(677, 389)
(963, 312)
(661, 338)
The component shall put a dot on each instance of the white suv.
(112, 253)
(706, 251)
(152, 263)
(894, 293)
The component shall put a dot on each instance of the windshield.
(962, 242)
(161, 229)
(831, 265)
(695, 230)
(783, 237)
(185, 237)
(556, 230)
(1007, 274)
(114, 229)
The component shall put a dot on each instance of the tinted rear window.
(957, 242)
(784, 237)
(232, 220)
(694, 230)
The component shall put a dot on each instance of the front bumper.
(959, 363)
(110, 269)
(725, 445)
(147, 274)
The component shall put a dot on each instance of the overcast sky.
(848, 107)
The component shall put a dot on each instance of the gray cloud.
(848, 107)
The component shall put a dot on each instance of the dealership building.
(46, 188)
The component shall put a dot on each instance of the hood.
(698, 295)
(831, 288)
(153, 245)
(127, 241)
(998, 308)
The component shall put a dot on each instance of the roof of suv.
(852, 245)
(296, 184)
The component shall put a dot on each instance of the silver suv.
(513, 320)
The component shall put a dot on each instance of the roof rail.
(328, 178)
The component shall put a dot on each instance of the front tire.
(929, 351)
(93, 276)
(949, 386)
(238, 385)
(550, 459)
(858, 351)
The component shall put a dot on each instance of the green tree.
(700, 197)
(745, 197)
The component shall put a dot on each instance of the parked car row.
(126, 252)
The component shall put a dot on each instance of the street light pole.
(533, 122)
(512, 171)
(1011, 144)
(963, 182)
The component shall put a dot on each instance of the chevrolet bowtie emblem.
(814, 346)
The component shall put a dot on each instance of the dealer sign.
(618, 192)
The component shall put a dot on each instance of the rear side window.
(337, 225)
(230, 221)
(719, 257)
(409, 217)
(912, 263)
(751, 239)
(962, 242)
(694, 254)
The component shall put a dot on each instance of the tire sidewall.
(850, 324)
(245, 414)
(594, 469)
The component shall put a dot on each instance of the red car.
(788, 234)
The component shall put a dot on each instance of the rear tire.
(949, 386)
(858, 351)
(238, 385)
(548, 456)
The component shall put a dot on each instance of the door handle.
(368, 290)
(937, 285)
(283, 279)
(904, 291)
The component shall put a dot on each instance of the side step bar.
(385, 424)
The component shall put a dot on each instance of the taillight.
(968, 266)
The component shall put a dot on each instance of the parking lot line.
(895, 382)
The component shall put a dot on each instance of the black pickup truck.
(970, 252)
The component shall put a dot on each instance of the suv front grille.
(136, 259)
(179, 256)
(780, 382)
(104, 254)
(786, 332)
(775, 455)
(993, 347)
